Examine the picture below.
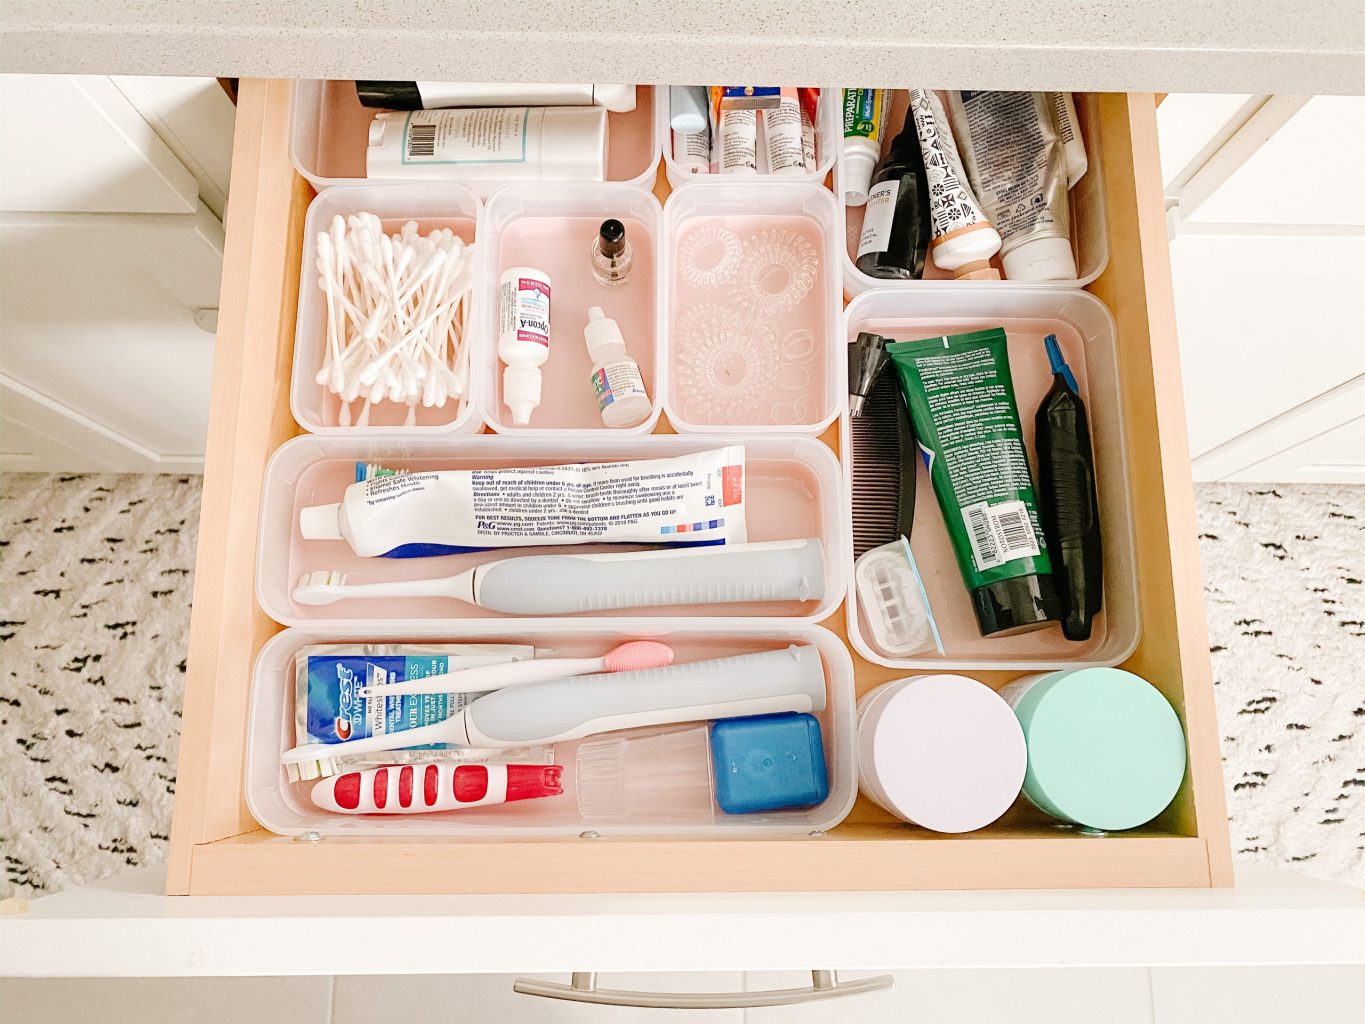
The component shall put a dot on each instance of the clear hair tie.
(709, 256)
(777, 271)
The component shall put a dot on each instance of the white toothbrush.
(628, 657)
(785, 570)
(564, 709)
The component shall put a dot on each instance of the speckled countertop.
(1314, 46)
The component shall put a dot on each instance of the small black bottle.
(896, 225)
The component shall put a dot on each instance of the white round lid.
(947, 753)
(1040, 259)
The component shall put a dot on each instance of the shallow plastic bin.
(1089, 225)
(551, 226)
(284, 807)
(793, 486)
(1087, 334)
(432, 204)
(751, 290)
(329, 131)
(828, 139)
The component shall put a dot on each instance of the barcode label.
(999, 533)
(421, 140)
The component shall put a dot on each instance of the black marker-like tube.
(1068, 505)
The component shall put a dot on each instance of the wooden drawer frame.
(217, 848)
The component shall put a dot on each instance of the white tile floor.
(1322, 995)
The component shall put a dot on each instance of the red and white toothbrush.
(422, 788)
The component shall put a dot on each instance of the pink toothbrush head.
(638, 654)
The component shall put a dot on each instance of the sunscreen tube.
(736, 142)
(1017, 166)
(490, 144)
(783, 135)
(864, 126)
(692, 152)
(1063, 106)
(689, 108)
(689, 499)
(963, 236)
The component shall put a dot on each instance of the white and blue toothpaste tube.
(690, 499)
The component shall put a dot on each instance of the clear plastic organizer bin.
(1087, 334)
(285, 808)
(551, 226)
(432, 205)
(752, 299)
(1089, 225)
(828, 138)
(793, 489)
(328, 137)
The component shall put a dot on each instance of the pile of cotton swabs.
(397, 313)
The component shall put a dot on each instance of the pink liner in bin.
(1087, 334)
(753, 304)
(285, 808)
(330, 127)
(793, 490)
(551, 227)
(432, 205)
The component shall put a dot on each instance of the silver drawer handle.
(583, 989)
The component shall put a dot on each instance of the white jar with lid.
(941, 751)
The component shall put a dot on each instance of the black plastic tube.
(1068, 504)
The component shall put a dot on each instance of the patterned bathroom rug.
(96, 572)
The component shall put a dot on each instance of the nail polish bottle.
(611, 253)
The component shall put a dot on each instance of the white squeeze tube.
(1017, 167)
(963, 236)
(490, 144)
(692, 151)
(782, 132)
(735, 142)
(1068, 127)
(688, 499)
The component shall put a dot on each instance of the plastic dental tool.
(628, 657)
(566, 709)
(423, 788)
(785, 570)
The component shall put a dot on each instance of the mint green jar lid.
(1105, 748)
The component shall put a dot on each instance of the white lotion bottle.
(616, 380)
(490, 144)
(523, 337)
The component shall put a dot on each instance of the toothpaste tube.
(328, 679)
(690, 499)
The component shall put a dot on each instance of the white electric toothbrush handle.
(729, 574)
(489, 677)
(563, 709)
(458, 587)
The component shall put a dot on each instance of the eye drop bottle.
(616, 380)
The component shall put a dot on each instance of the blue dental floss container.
(768, 763)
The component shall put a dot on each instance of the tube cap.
(320, 522)
(1040, 259)
(601, 333)
(1018, 604)
(521, 392)
(573, 143)
(858, 168)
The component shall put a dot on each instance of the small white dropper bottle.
(616, 380)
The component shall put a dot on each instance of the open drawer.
(218, 848)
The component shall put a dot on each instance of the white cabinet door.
(1336, 456)
(104, 364)
(74, 143)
